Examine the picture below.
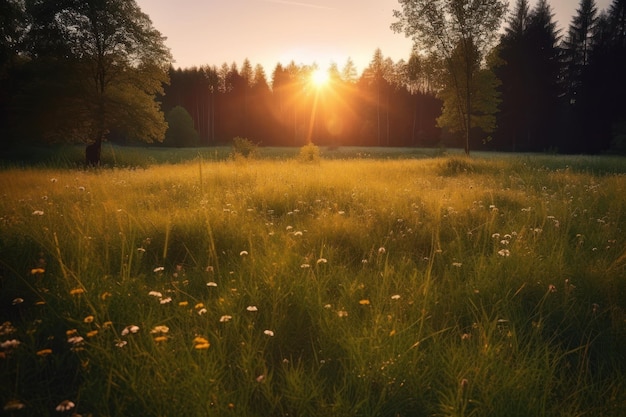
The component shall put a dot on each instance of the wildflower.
(13, 405)
(38, 213)
(225, 318)
(92, 333)
(466, 336)
(504, 242)
(88, 319)
(71, 332)
(36, 271)
(298, 233)
(260, 378)
(364, 302)
(198, 306)
(81, 188)
(305, 266)
(322, 261)
(381, 250)
(17, 301)
(364, 261)
(551, 288)
(200, 343)
(328, 306)
(160, 339)
(155, 294)
(65, 405)
(395, 297)
(342, 313)
(130, 329)
(504, 252)
(160, 330)
(202, 311)
(159, 269)
(252, 308)
(141, 250)
(183, 303)
(392, 333)
(75, 340)
(457, 264)
(165, 300)
(77, 291)
(44, 352)
(243, 253)
(268, 333)
(211, 284)
(496, 235)
(9, 344)
(121, 343)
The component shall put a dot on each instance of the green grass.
(362, 285)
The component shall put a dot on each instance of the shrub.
(309, 153)
(244, 147)
(180, 131)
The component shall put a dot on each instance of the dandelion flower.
(225, 318)
(65, 405)
(252, 308)
(44, 352)
(268, 333)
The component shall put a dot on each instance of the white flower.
(165, 300)
(38, 213)
(322, 261)
(160, 329)
(155, 294)
(121, 343)
(65, 405)
(130, 329)
(252, 308)
(504, 252)
(457, 264)
(75, 340)
(395, 297)
(381, 250)
(298, 233)
(211, 284)
(202, 311)
(304, 266)
(243, 253)
(225, 318)
(268, 333)
(159, 269)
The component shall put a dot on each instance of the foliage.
(180, 131)
(459, 34)
(309, 153)
(244, 148)
(442, 286)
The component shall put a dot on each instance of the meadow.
(356, 285)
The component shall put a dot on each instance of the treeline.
(379, 108)
(558, 92)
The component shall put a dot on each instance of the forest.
(545, 89)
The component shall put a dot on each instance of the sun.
(319, 77)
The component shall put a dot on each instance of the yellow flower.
(44, 352)
(198, 306)
(160, 339)
(364, 302)
(88, 319)
(201, 343)
(392, 333)
(92, 333)
(36, 271)
(105, 295)
(183, 303)
(71, 332)
(77, 291)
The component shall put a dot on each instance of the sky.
(268, 32)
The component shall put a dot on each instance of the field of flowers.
(490, 286)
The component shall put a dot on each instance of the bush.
(243, 147)
(180, 131)
(309, 153)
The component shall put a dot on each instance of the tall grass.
(368, 287)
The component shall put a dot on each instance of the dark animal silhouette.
(92, 154)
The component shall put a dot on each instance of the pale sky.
(269, 32)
